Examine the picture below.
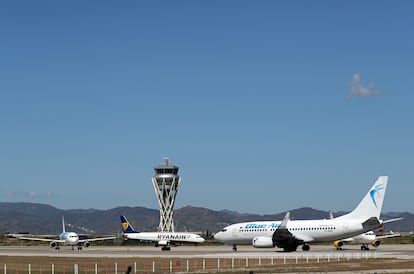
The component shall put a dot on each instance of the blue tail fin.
(126, 227)
(63, 225)
(371, 204)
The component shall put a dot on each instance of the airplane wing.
(41, 239)
(389, 235)
(347, 240)
(303, 238)
(97, 239)
(283, 238)
(282, 233)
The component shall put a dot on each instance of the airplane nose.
(218, 236)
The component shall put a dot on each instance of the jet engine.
(375, 243)
(87, 244)
(338, 244)
(53, 244)
(162, 243)
(262, 242)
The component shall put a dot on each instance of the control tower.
(166, 182)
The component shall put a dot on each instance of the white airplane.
(365, 240)
(163, 239)
(66, 238)
(290, 234)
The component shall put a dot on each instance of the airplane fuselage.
(165, 236)
(364, 238)
(69, 238)
(311, 230)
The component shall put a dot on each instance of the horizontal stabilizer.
(371, 224)
(392, 220)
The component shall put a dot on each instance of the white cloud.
(27, 194)
(357, 89)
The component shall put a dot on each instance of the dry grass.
(40, 265)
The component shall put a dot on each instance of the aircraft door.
(234, 232)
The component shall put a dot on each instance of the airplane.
(365, 239)
(163, 239)
(66, 238)
(289, 234)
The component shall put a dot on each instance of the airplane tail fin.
(371, 205)
(63, 225)
(126, 226)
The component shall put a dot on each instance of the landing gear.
(79, 248)
(305, 247)
(234, 248)
(166, 248)
(364, 247)
(57, 247)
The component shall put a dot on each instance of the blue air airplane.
(289, 234)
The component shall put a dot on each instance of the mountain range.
(45, 219)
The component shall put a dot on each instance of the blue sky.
(265, 106)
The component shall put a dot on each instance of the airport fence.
(174, 265)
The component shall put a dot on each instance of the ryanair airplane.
(163, 239)
(289, 234)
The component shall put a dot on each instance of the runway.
(323, 251)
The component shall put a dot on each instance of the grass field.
(40, 265)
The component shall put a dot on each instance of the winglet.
(285, 220)
(126, 226)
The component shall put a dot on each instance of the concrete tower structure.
(166, 182)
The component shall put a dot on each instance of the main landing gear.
(364, 247)
(305, 247)
(234, 248)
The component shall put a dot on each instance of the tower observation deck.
(166, 182)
